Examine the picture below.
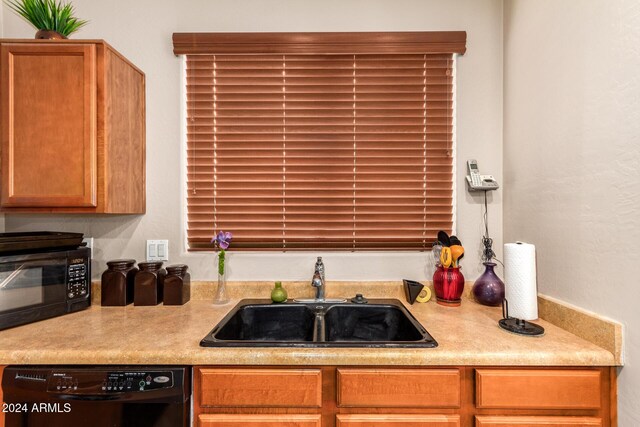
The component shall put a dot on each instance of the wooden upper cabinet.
(73, 128)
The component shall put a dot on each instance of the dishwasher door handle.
(172, 395)
(87, 397)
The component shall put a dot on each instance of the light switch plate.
(157, 250)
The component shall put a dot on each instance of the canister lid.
(121, 263)
(177, 269)
(150, 265)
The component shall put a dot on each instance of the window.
(320, 140)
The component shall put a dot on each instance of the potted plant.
(53, 19)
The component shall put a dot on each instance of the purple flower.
(223, 239)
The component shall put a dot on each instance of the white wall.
(142, 30)
(572, 156)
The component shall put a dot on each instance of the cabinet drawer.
(538, 389)
(293, 388)
(415, 388)
(536, 421)
(239, 420)
(382, 420)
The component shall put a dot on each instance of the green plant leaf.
(221, 257)
(48, 15)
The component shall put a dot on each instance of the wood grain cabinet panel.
(293, 388)
(243, 420)
(328, 396)
(1, 398)
(72, 126)
(538, 389)
(536, 421)
(49, 126)
(398, 420)
(414, 388)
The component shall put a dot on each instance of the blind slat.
(301, 152)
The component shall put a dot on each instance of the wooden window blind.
(335, 151)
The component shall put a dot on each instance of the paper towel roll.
(520, 280)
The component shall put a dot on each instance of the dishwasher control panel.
(137, 381)
(100, 382)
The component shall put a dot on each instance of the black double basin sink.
(260, 323)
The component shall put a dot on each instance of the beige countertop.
(467, 335)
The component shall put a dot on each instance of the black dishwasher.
(130, 396)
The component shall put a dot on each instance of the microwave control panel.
(77, 279)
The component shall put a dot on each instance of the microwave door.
(10, 277)
(13, 296)
(31, 284)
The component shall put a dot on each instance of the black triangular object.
(412, 290)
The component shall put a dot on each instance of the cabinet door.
(404, 388)
(398, 420)
(536, 421)
(241, 420)
(270, 387)
(1, 399)
(538, 389)
(48, 125)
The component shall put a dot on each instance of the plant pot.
(49, 35)
(449, 285)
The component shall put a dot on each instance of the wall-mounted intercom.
(478, 182)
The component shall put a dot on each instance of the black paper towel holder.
(518, 326)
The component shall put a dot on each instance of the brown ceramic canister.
(177, 285)
(149, 283)
(117, 282)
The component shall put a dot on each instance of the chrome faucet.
(318, 282)
(318, 279)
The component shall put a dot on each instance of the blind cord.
(284, 152)
(424, 152)
(487, 242)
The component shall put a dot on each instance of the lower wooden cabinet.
(246, 420)
(327, 396)
(400, 388)
(397, 420)
(537, 421)
(1, 399)
(538, 389)
(269, 387)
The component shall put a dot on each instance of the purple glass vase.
(489, 289)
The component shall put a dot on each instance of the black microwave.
(43, 284)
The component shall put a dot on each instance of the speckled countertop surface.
(467, 335)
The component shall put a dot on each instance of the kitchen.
(539, 95)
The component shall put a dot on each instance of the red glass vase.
(449, 285)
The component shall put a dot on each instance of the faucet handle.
(317, 280)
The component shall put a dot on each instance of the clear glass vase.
(222, 267)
